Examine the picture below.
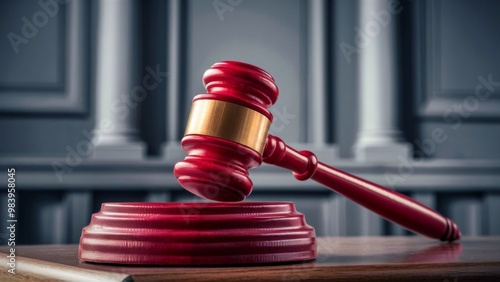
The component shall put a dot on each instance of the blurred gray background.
(94, 97)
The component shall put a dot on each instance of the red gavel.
(227, 134)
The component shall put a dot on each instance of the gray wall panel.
(492, 206)
(458, 68)
(466, 210)
(270, 34)
(42, 136)
(44, 49)
(45, 88)
(4, 234)
(459, 58)
(52, 77)
(469, 140)
(42, 218)
(346, 218)
(78, 210)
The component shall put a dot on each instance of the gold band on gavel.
(229, 121)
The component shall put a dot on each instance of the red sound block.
(197, 234)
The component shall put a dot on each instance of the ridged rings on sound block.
(197, 234)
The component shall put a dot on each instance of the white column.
(172, 150)
(319, 120)
(118, 87)
(379, 137)
(317, 74)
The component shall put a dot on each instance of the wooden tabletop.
(339, 259)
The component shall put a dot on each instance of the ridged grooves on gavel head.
(241, 83)
(217, 168)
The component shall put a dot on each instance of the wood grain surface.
(339, 259)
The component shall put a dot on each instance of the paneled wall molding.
(78, 207)
(176, 30)
(480, 98)
(379, 137)
(493, 210)
(441, 108)
(156, 174)
(118, 85)
(320, 120)
(69, 95)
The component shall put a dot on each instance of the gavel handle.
(387, 203)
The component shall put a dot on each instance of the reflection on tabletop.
(376, 249)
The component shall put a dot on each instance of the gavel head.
(226, 131)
